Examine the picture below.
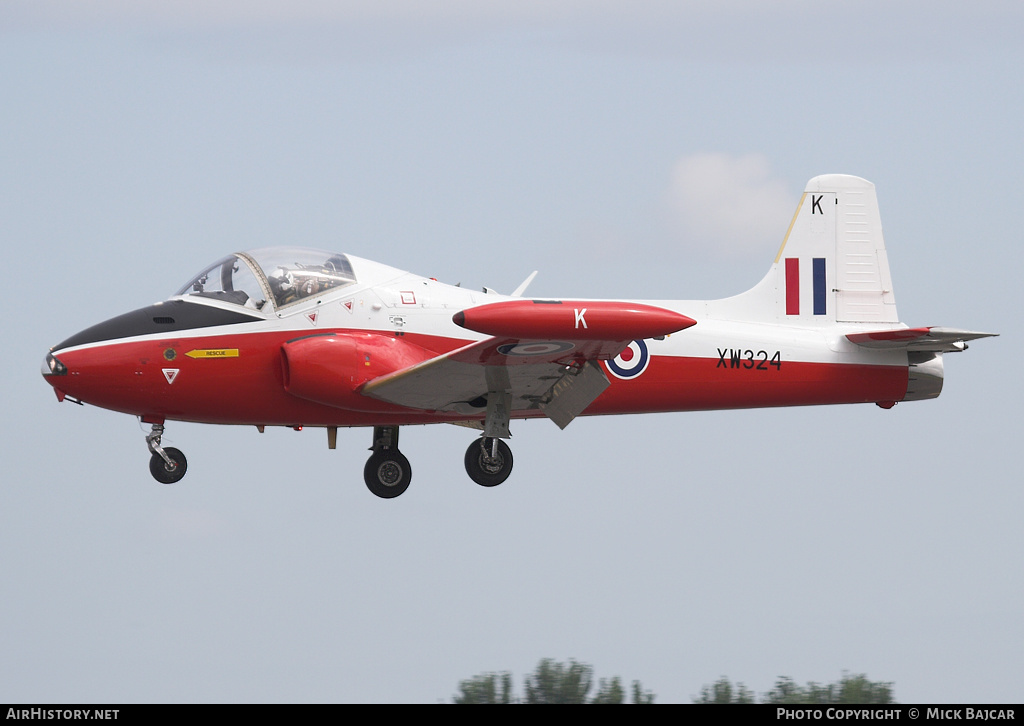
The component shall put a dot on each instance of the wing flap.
(573, 392)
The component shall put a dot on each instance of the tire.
(488, 473)
(387, 473)
(160, 471)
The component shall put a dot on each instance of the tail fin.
(832, 265)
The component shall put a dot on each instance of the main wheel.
(167, 473)
(387, 473)
(485, 470)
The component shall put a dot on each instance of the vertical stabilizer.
(832, 265)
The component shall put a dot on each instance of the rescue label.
(214, 353)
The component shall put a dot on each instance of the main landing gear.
(168, 465)
(488, 461)
(387, 472)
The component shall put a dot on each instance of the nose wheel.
(488, 461)
(168, 472)
(168, 465)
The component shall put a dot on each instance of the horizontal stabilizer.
(934, 340)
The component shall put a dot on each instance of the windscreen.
(229, 280)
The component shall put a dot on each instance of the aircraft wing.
(934, 340)
(541, 354)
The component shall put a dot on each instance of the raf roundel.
(631, 362)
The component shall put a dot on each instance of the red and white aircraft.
(300, 337)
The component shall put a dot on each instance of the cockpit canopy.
(283, 275)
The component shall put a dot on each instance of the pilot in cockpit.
(301, 281)
(281, 286)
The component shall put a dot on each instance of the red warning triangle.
(348, 305)
(312, 317)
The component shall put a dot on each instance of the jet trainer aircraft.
(299, 337)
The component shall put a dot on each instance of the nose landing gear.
(168, 465)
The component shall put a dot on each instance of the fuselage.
(215, 353)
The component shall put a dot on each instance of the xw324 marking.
(749, 359)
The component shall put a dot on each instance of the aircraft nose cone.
(52, 367)
(54, 373)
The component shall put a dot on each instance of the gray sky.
(624, 149)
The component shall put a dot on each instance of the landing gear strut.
(488, 461)
(387, 472)
(168, 465)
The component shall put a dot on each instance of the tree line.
(571, 683)
(550, 682)
(849, 689)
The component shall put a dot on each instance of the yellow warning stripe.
(795, 215)
(214, 353)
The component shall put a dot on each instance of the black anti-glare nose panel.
(163, 318)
